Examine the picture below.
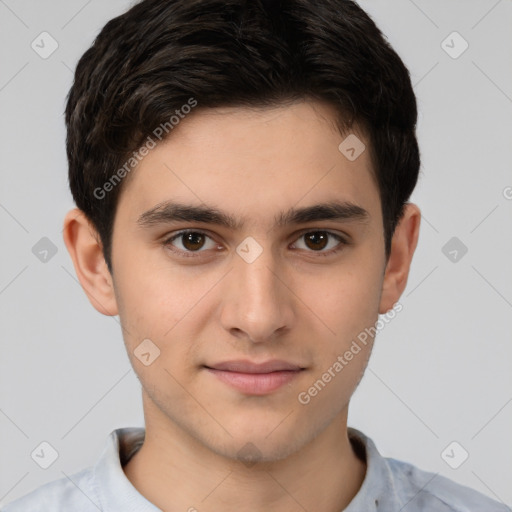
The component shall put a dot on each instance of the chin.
(258, 444)
(252, 452)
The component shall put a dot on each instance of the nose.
(257, 303)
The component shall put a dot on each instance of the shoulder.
(428, 491)
(75, 493)
(101, 486)
(392, 485)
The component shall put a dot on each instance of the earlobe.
(84, 246)
(403, 245)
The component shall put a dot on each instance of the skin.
(291, 303)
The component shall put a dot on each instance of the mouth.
(255, 378)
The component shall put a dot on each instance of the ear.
(403, 245)
(84, 246)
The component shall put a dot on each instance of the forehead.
(254, 163)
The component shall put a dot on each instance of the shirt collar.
(377, 491)
(116, 492)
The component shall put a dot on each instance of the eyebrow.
(171, 211)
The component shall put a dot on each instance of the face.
(250, 251)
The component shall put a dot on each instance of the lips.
(255, 378)
(241, 366)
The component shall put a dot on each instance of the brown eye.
(322, 242)
(192, 241)
(187, 242)
(316, 240)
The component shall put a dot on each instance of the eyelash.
(194, 254)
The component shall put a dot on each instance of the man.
(242, 172)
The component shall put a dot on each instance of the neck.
(176, 472)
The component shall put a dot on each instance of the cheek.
(165, 306)
(349, 309)
(152, 291)
(347, 300)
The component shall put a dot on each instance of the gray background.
(441, 370)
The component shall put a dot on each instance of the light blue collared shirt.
(389, 485)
